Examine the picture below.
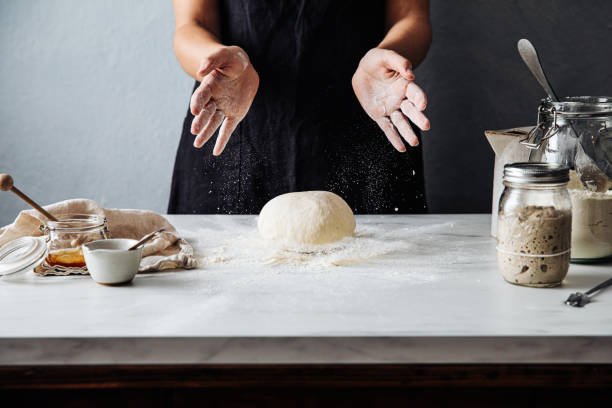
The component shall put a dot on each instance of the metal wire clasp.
(46, 232)
(529, 140)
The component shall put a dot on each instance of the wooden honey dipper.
(6, 184)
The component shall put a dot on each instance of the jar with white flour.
(577, 132)
(534, 224)
(591, 222)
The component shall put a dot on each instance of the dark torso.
(305, 129)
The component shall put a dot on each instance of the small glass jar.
(64, 239)
(534, 224)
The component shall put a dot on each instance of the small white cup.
(110, 263)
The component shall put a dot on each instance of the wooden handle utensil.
(6, 184)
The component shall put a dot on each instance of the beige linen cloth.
(166, 251)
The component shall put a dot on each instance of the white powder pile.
(242, 245)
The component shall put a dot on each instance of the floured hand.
(228, 87)
(384, 85)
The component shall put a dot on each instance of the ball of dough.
(307, 217)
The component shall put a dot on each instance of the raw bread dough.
(307, 217)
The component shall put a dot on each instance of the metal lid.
(21, 254)
(581, 107)
(536, 173)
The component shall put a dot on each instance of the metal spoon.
(591, 172)
(530, 56)
(580, 299)
(145, 239)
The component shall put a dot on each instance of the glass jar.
(571, 128)
(534, 224)
(64, 239)
(577, 132)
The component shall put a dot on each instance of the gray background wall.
(92, 98)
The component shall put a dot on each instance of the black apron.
(305, 129)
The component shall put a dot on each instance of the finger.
(200, 98)
(236, 63)
(210, 63)
(203, 117)
(227, 60)
(396, 62)
(415, 94)
(209, 129)
(227, 128)
(416, 116)
(385, 124)
(403, 127)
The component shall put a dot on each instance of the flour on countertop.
(242, 245)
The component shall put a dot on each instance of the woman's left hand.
(384, 86)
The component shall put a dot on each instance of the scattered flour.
(242, 245)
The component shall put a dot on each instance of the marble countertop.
(425, 289)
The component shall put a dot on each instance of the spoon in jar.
(530, 57)
(594, 171)
(145, 239)
(6, 184)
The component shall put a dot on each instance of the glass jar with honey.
(65, 237)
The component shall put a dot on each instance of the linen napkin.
(166, 251)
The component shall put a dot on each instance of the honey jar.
(65, 237)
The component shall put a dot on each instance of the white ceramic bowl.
(110, 263)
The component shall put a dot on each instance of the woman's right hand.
(227, 89)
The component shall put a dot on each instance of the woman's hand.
(228, 87)
(384, 86)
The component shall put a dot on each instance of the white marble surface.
(437, 298)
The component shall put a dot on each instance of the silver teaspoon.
(580, 299)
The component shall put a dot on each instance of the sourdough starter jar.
(534, 224)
